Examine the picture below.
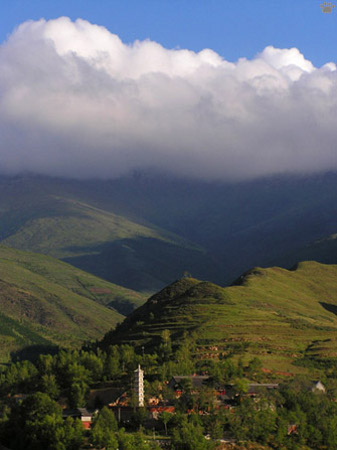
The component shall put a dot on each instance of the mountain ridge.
(274, 314)
(142, 231)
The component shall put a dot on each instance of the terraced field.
(282, 316)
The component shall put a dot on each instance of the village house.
(254, 389)
(83, 414)
(178, 382)
(120, 403)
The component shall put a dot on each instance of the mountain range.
(102, 247)
(145, 230)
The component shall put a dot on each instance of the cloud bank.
(76, 101)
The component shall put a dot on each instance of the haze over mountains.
(144, 231)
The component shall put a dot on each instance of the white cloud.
(76, 101)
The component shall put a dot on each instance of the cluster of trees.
(36, 421)
(37, 424)
(106, 434)
(70, 373)
(290, 417)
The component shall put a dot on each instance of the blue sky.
(231, 28)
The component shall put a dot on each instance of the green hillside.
(145, 230)
(75, 222)
(73, 226)
(46, 302)
(281, 316)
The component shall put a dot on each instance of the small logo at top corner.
(327, 7)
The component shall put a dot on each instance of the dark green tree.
(36, 424)
(103, 430)
(165, 417)
(48, 385)
(189, 436)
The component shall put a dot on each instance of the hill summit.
(278, 315)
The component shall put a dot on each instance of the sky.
(214, 90)
(231, 28)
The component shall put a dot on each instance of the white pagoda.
(139, 386)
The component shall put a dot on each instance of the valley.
(144, 231)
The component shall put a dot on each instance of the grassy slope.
(76, 229)
(75, 280)
(279, 315)
(122, 229)
(63, 220)
(109, 246)
(45, 301)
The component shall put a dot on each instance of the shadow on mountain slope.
(329, 307)
(146, 264)
(32, 352)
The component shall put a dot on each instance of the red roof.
(160, 409)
